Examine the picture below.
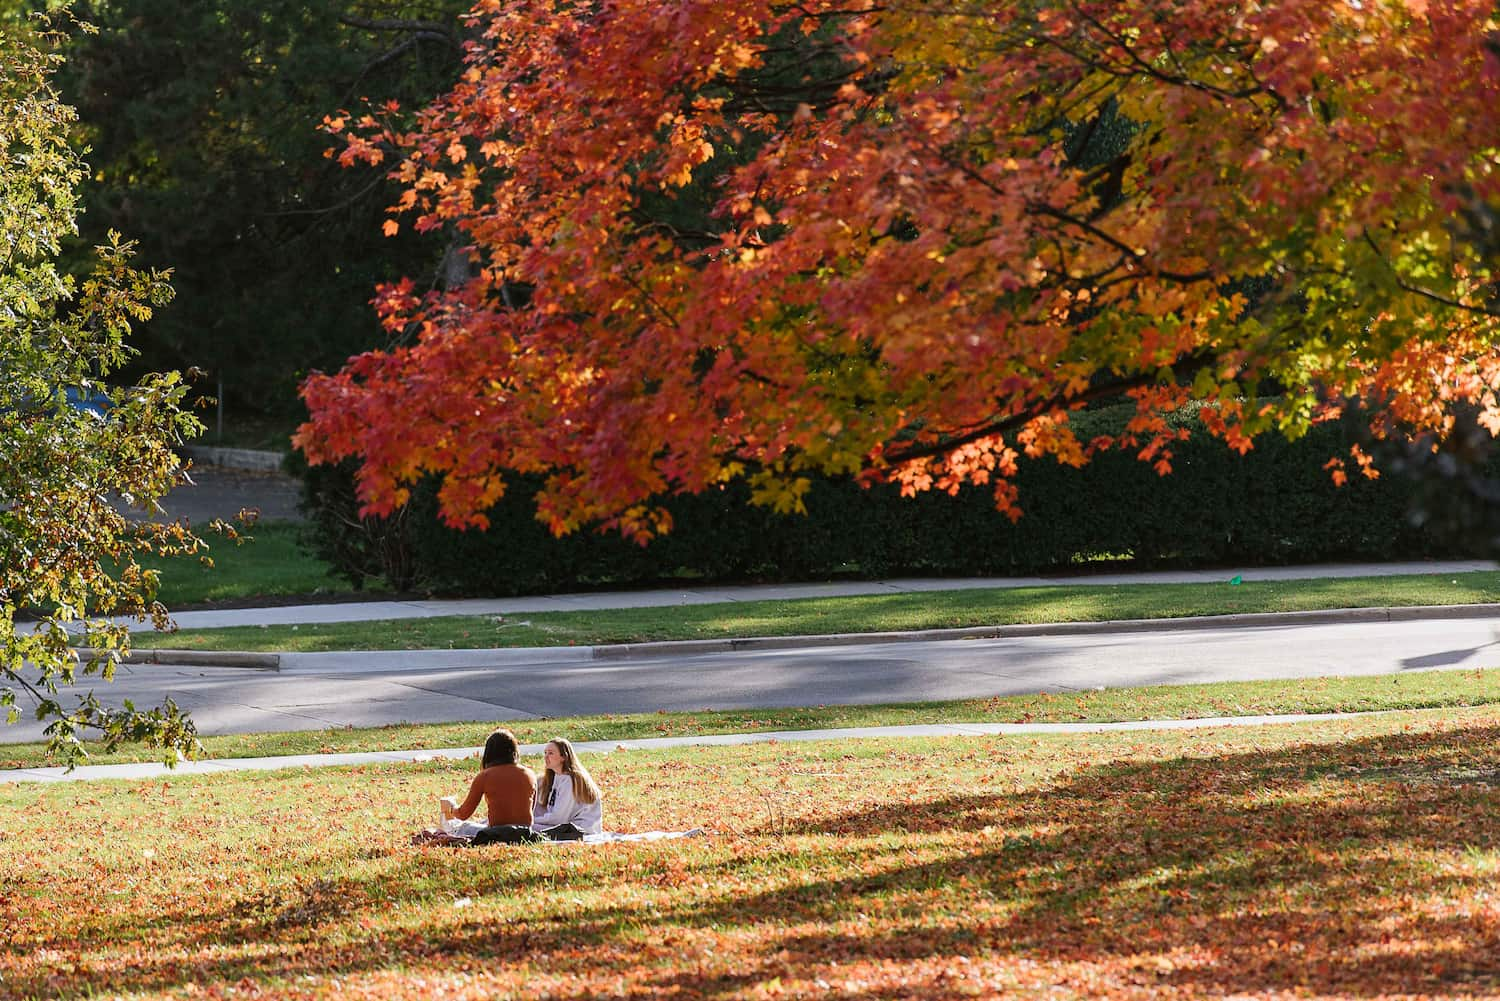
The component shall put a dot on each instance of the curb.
(1248, 620)
(257, 460)
(198, 658)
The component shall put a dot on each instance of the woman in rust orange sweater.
(506, 788)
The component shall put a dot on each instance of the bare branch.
(405, 26)
(333, 208)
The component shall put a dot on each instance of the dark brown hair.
(500, 749)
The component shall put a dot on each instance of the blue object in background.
(92, 401)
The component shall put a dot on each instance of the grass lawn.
(273, 563)
(1348, 860)
(874, 613)
(1416, 690)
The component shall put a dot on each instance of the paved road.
(221, 492)
(317, 691)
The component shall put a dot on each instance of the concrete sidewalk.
(667, 597)
(155, 770)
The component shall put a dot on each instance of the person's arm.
(465, 810)
(560, 810)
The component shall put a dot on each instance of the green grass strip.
(1416, 690)
(871, 613)
(271, 562)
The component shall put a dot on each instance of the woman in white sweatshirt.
(568, 802)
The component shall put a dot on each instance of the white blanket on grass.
(469, 828)
(607, 837)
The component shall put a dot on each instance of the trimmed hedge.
(1276, 504)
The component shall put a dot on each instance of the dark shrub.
(1276, 504)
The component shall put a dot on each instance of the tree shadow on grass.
(1334, 868)
(1328, 868)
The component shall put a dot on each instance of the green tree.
(203, 123)
(69, 557)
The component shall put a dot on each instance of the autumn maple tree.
(737, 238)
(69, 559)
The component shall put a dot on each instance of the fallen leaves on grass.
(1356, 860)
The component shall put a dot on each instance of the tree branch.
(1182, 366)
(1146, 68)
(1425, 293)
(402, 25)
(1051, 211)
(332, 208)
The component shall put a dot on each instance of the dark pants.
(563, 832)
(507, 834)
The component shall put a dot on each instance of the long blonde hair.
(585, 789)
